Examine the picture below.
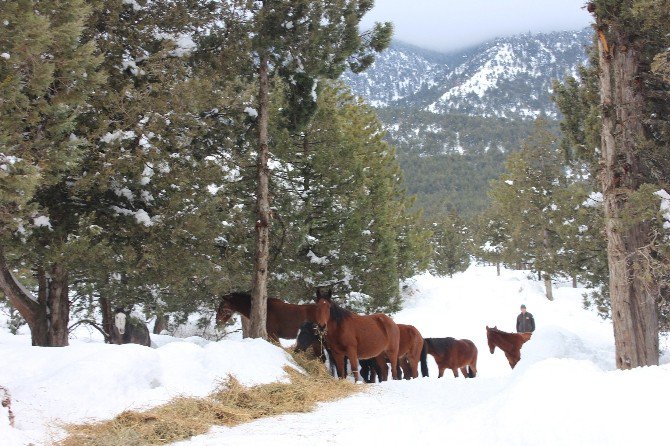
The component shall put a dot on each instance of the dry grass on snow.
(229, 405)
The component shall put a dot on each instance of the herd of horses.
(371, 342)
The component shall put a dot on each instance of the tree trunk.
(546, 276)
(161, 323)
(634, 311)
(259, 284)
(48, 315)
(498, 268)
(107, 319)
(58, 305)
(547, 286)
(245, 326)
(574, 281)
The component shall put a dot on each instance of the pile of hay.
(231, 404)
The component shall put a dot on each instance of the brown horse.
(410, 349)
(509, 343)
(311, 336)
(283, 319)
(355, 336)
(454, 354)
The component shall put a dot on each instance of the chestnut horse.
(283, 319)
(509, 343)
(355, 336)
(454, 354)
(410, 351)
(311, 336)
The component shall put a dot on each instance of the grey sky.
(451, 24)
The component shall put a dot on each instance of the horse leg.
(473, 366)
(352, 354)
(464, 371)
(455, 371)
(441, 371)
(394, 366)
(413, 364)
(407, 370)
(383, 369)
(339, 362)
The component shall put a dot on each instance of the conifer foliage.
(137, 141)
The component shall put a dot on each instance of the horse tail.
(424, 361)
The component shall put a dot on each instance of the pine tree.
(525, 198)
(630, 34)
(44, 89)
(345, 219)
(297, 41)
(450, 246)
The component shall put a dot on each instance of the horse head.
(308, 335)
(492, 346)
(224, 311)
(323, 311)
(120, 319)
(324, 292)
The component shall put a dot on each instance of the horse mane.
(241, 299)
(338, 314)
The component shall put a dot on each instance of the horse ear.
(324, 293)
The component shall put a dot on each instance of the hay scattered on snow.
(231, 404)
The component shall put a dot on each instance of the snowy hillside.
(564, 391)
(504, 77)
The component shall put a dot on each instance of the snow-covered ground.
(565, 390)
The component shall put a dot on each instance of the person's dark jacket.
(525, 323)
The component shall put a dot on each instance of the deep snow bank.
(92, 380)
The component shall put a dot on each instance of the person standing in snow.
(524, 321)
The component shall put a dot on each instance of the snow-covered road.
(564, 391)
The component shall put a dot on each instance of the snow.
(595, 200)
(117, 135)
(91, 380)
(42, 221)
(136, 6)
(664, 206)
(5, 55)
(252, 112)
(565, 389)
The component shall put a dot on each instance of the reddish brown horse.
(283, 319)
(355, 336)
(509, 343)
(410, 349)
(454, 354)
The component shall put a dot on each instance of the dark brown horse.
(509, 343)
(411, 351)
(283, 319)
(454, 354)
(128, 329)
(355, 336)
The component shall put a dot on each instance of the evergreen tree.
(525, 198)
(633, 153)
(450, 246)
(48, 72)
(299, 42)
(347, 216)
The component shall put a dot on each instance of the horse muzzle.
(223, 317)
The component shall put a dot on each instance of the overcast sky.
(445, 25)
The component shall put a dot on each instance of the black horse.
(311, 336)
(129, 330)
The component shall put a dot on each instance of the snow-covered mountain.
(505, 77)
(454, 117)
